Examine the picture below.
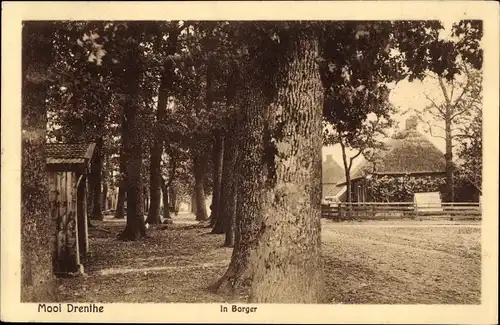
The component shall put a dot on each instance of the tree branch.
(430, 75)
(452, 89)
(434, 135)
(466, 87)
(459, 113)
(434, 104)
(354, 157)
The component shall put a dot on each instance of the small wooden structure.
(68, 166)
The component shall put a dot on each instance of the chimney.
(411, 123)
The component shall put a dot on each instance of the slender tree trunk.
(172, 194)
(155, 182)
(120, 203)
(105, 178)
(228, 192)
(105, 195)
(166, 205)
(37, 224)
(90, 196)
(278, 250)
(218, 154)
(146, 198)
(227, 200)
(347, 173)
(97, 180)
(193, 203)
(449, 165)
(122, 189)
(166, 85)
(199, 187)
(105, 181)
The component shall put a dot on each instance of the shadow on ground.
(381, 264)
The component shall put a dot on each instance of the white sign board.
(428, 201)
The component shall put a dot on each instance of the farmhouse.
(409, 164)
(332, 174)
(68, 166)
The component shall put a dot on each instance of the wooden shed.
(68, 166)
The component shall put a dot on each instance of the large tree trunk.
(279, 246)
(37, 226)
(96, 171)
(135, 228)
(166, 85)
(199, 163)
(218, 155)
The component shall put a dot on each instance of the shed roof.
(68, 153)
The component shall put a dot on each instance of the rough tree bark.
(218, 155)
(199, 163)
(279, 246)
(135, 228)
(37, 226)
(166, 85)
(96, 172)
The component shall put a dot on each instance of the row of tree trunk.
(269, 195)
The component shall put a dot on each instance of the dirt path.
(377, 263)
(409, 265)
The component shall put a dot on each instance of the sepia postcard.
(250, 162)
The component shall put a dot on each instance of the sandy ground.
(375, 262)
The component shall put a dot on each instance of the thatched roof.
(332, 190)
(331, 171)
(409, 152)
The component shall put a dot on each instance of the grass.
(364, 263)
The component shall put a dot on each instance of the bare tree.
(460, 100)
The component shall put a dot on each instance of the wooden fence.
(401, 210)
